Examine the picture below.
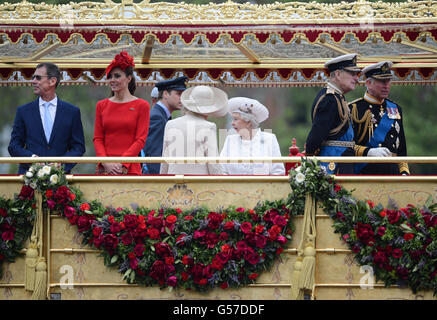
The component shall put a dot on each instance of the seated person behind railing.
(250, 141)
(122, 121)
(192, 135)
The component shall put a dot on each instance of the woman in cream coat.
(192, 135)
(249, 140)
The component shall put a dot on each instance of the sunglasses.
(38, 77)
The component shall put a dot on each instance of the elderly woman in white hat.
(192, 135)
(249, 140)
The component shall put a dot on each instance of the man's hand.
(379, 152)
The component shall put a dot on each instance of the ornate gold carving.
(355, 12)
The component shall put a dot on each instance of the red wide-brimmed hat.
(121, 60)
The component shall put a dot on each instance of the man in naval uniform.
(331, 132)
(378, 123)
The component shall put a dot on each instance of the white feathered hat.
(249, 106)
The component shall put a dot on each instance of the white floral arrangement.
(43, 175)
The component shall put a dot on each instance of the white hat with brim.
(205, 100)
(249, 106)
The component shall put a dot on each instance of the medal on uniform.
(393, 113)
(381, 111)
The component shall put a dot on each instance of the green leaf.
(114, 259)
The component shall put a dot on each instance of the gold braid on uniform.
(403, 167)
(362, 129)
(343, 111)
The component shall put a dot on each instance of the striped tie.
(48, 122)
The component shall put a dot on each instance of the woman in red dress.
(122, 121)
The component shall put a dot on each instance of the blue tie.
(48, 122)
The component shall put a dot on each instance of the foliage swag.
(202, 249)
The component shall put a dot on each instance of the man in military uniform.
(331, 132)
(169, 100)
(378, 123)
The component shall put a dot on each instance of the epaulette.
(355, 101)
(330, 90)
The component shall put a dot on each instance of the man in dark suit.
(169, 100)
(48, 126)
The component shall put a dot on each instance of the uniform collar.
(371, 99)
(329, 84)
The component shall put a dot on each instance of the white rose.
(29, 174)
(300, 178)
(46, 170)
(54, 179)
(33, 185)
(298, 169)
(40, 173)
(31, 169)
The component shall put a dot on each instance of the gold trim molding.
(111, 12)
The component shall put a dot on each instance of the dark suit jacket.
(28, 138)
(155, 137)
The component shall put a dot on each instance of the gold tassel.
(296, 293)
(40, 291)
(30, 264)
(308, 268)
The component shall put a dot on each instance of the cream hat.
(205, 100)
(248, 106)
(379, 71)
(346, 62)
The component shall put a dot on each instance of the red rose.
(97, 231)
(259, 229)
(3, 212)
(393, 216)
(130, 221)
(371, 204)
(380, 258)
(26, 193)
(381, 231)
(223, 236)
(270, 215)
(224, 285)
(178, 211)
(72, 196)
(211, 239)
(84, 206)
(115, 227)
(110, 241)
(84, 223)
(253, 276)
(251, 256)
(153, 233)
(273, 232)
(171, 219)
(188, 218)
(49, 193)
(69, 212)
(51, 204)
(408, 236)
(169, 260)
(111, 219)
(203, 282)
(397, 253)
(216, 264)
(337, 188)
(139, 250)
(199, 234)
(172, 281)
(126, 239)
(240, 210)
(251, 211)
(246, 227)
(8, 235)
(225, 248)
(229, 225)
(214, 220)
(62, 195)
(340, 216)
(364, 232)
(98, 242)
(280, 221)
(133, 264)
(131, 255)
(279, 250)
(187, 260)
(162, 250)
(383, 213)
(281, 239)
(184, 276)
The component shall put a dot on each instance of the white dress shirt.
(52, 108)
(263, 144)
